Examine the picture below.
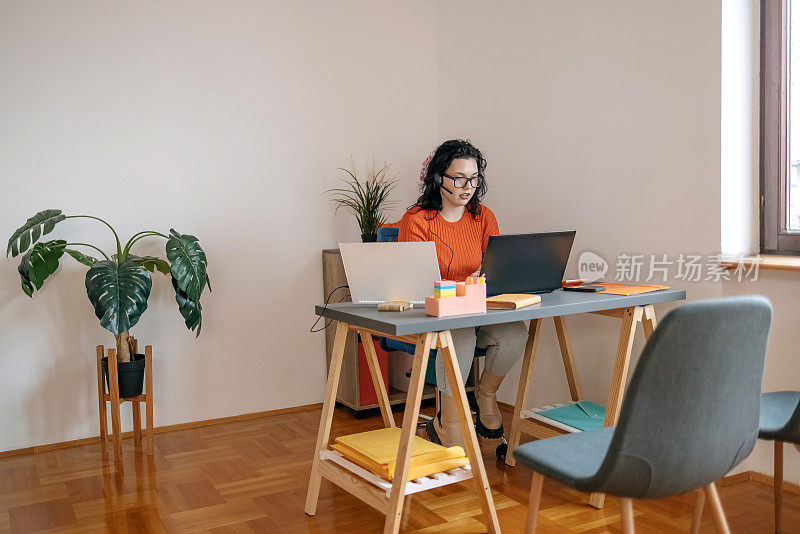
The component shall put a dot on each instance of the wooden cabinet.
(354, 377)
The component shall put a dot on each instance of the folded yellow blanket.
(376, 451)
(415, 469)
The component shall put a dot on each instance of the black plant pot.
(369, 238)
(130, 375)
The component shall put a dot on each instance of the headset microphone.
(440, 182)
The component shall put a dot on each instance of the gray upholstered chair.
(780, 421)
(689, 416)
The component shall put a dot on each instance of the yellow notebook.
(628, 289)
(511, 301)
(376, 451)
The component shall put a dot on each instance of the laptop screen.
(380, 272)
(526, 263)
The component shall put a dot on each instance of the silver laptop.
(381, 272)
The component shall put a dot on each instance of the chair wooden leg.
(113, 386)
(777, 484)
(468, 432)
(533, 503)
(534, 333)
(627, 516)
(329, 402)
(101, 396)
(697, 515)
(416, 385)
(716, 509)
(630, 316)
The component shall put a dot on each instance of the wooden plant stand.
(116, 401)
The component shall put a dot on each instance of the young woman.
(449, 213)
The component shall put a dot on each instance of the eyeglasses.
(462, 181)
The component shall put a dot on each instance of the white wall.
(225, 120)
(594, 116)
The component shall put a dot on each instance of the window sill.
(768, 262)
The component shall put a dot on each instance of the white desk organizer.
(413, 486)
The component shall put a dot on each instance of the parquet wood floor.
(251, 476)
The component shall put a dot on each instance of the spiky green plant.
(366, 199)
(118, 286)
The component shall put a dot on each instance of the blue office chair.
(779, 421)
(387, 234)
(690, 415)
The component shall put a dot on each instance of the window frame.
(775, 238)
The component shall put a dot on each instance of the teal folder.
(583, 415)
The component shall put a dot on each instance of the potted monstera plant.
(118, 285)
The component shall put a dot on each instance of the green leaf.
(151, 263)
(29, 233)
(38, 263)
(81, 257)
(119, 293)
(188, 263)
(27, 287)
(190, 310)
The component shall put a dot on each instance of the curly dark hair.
(431, 194)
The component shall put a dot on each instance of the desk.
(426, 333)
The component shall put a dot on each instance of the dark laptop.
(526, 263)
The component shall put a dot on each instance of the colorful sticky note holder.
(467, 297)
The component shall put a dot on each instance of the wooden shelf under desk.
(376, 491)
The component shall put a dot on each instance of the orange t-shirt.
(466, 237)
